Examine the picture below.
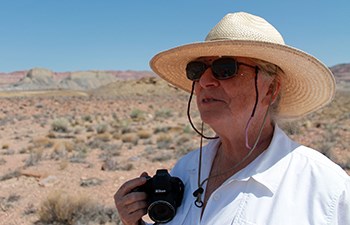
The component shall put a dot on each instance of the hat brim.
(307, 84)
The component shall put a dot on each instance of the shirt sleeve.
(344, 205)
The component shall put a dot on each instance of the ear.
(273, 90)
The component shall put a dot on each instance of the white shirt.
(287, 184)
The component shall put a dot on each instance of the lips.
(207, 100)
(210, 100)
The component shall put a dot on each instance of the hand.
(131, 206)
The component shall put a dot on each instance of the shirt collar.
(267, 168)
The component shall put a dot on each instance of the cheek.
(238, 92)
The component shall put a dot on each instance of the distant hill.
(44, 79)
(342, 75)
(146, 86)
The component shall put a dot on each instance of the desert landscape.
(69, 140)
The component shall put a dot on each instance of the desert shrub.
(164, 141)
(60, 125)
(109, 151)
(43, 142)
(79, 153)
(184, 148)
(78, 130)
(188, 129)
(116, 135)
(182, 139)
(105, 137)
(70, 146)
(2, 161)
(161, 129)
(130, 138)
(148, 141)
(59, 151)
(8, 151)
(111, 164)
(115, 116)
(78, 157)
(87, 118)
(5, 146)
(101, 128)
(137, 115)
(10, 175)
(149, 150)
(51, 135)
(23, 151)
(62, 209)
(88, 182)
(144, 134)
(29, 209)
(90, 128)
(34, 157)
(160, 157)
(8, 202)
(155, 155)
(164, 113)
(98, 143)
(63, 164)
(39, 106)
(126, 129)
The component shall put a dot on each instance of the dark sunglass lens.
(194, 70)
(224, 68)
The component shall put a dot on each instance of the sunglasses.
(222, 68)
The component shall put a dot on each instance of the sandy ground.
(26, 131)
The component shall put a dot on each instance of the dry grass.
(11, 174)
(8, 202)
(65, 209)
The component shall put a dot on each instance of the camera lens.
(161, 211)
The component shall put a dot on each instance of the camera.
(165, 194)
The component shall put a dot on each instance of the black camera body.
(164, 193)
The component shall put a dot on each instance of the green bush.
(60, 125)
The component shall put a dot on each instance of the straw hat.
(307, 84)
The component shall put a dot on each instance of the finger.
(136, 206)
(134, 217)
(134, 197)
(144, 174)
(132, 207)
(128, 186)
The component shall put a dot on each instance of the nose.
(208, 80)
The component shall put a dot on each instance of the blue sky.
(73, 35)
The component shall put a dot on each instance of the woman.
(245, 78)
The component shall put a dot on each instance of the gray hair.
(274, 71)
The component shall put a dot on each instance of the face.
(230, 101)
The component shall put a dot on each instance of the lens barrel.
(161, 211)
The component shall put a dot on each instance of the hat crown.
(244, 26)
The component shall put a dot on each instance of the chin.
(210, 119)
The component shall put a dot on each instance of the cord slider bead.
(198, 192)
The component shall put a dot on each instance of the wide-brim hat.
(307, 84)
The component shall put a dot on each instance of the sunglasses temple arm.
(256, 90)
